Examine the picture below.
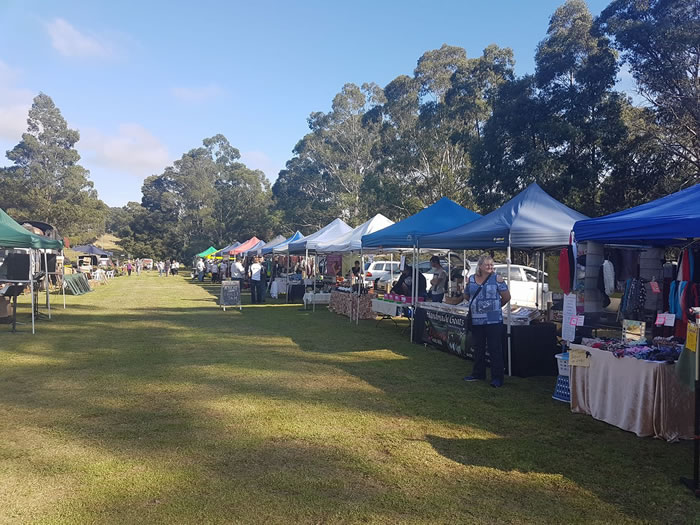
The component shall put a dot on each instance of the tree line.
(466, 128)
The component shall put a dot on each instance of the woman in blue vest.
(486, 292)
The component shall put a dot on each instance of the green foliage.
(46, 182)
(660, 42)
(206, 197)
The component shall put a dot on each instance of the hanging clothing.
(567, 266)
(609, 277)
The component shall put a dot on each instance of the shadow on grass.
(154, 381)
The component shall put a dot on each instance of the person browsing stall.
(404, 286)
(486, 293)
(257, 281)
(439, 280)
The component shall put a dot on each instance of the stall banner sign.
(445, 330)
(691, 340)
(568, 331)
(633, 330)
(579, 356)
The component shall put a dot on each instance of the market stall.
(532, 220)
(309, 245)
(21, 261)
(444, 215)
(670, 221)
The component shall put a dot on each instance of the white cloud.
(197, 94)
(133, 149)
(70, 42)
(258, 160)
(14, 104)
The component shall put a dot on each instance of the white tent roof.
(352, 240)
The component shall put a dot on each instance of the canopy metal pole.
(510, 320)
(362, 279)
(413, 285)
(46, 281)
(449, 273)
(31, 288)
(391, 270)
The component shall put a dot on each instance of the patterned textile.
(486, 308)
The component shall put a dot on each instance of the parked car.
(382, 270)
(523, 284)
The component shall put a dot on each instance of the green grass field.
(143, 402)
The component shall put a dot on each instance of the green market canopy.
(206, 252)
(12, 235)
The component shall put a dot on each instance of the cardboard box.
(5, 307)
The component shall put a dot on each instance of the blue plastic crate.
(562, 391)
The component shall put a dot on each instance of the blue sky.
(145, 81)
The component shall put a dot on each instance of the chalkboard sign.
(230, 294)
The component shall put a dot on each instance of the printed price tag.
(660, 319)
(579, 320)
(573, 321)
(655, 287)
(670, 319)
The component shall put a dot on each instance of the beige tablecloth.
(640, 396)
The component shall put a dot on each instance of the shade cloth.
(532, 219)
(13, 235)
(282, 247)
(352, 240)
(444, 215)
(665, 221)
(635, 395)
(330, 231)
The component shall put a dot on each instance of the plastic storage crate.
(561, 390)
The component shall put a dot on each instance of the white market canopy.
(352, 240)
(330, 231)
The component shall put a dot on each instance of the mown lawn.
(144, 402)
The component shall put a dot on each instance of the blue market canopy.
(91, 249)
(227, 249)
(444, 215)
(276, 240)
(283, 246)
(330, 231)
(669, 220)
(532, 219)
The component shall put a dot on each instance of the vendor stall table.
(640, 396)
(278, 286)
(445, 327)
(388, 308)
(345, 303)
(317, 298)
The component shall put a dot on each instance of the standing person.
(257, 282)
(487, 293)
(214, 272)
(404, 286)
(439, 280)
(237, 270)
(129, 267)
(166, 267)
(175, 267)
(138, 266)
(200, 270)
